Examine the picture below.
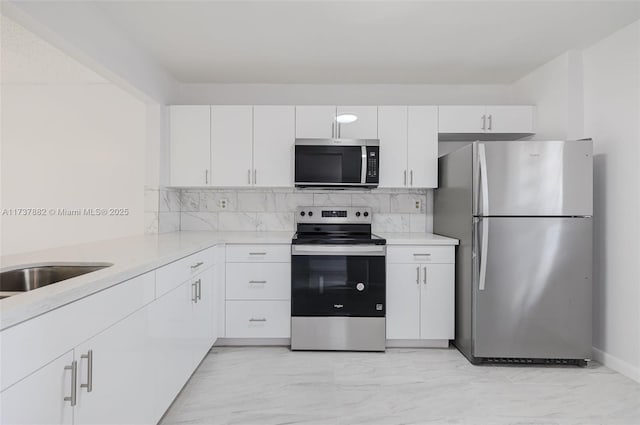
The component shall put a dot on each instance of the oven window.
(328, 164)
(338, 285)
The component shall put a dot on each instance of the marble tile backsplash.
(161, 210)
(394, 210)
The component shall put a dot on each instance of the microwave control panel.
(372, 164)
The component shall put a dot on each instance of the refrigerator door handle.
(484, 184)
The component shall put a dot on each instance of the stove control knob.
(310, 213)
(302, 213)
(360, 286)
(366, 214)
(357, 213)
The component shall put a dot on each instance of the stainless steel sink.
(35, 276)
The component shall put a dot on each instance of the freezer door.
(535, 300)
(551, 178)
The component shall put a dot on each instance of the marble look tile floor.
(272, 385)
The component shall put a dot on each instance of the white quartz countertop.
(133, 256)
(417, 239)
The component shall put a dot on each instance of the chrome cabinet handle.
(255, 176)
(196, 265)
(405, 177)
(418, 275)
(424, 278)
(72, 399)
(89, 384)
(249, 176)
(333, 129)
(490, 121)
(257, 320)
(199, 290)
(194, 292)
(206, 176)
(484, 122)
(257, 253)
(258, 281)
(420, 254)
(411, 174)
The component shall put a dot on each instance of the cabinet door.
(364, 127)
(422, 136)
(171, 335)
(461, 119)
(315, 122)
(231, 145)
(273, 140)
(190, 144)
(437, 301)
(115, 366)
(403, 301)
(392, 131)
(203, 321)
(39, 398)
(510, 119)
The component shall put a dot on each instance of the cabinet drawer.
(259, 253)
(420, 254)
(270, 281)
(173, 274)
(258, 319)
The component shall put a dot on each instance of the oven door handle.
(372, 250)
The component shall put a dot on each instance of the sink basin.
(28, 278)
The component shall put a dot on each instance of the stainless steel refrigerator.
(522, 211)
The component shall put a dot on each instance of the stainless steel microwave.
(337, 163)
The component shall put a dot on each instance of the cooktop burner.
(315, 239)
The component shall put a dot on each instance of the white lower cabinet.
(40, 397)
(420, 294)
(115, 376)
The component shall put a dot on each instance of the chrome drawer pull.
(196, 265)
(89, 384)
(258, 281)
(257, 320)
(257, 253)
(74, 377)
(423, 254)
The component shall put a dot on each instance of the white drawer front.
(271, 281)
(173, 274)
(420, 254)
(259, 253)
(258, 319)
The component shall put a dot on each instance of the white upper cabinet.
(422, 142)
(231, 145)
(315, 122)
(486, 119)
(392, 130)
(273, 140)
(461, 119)
(189, 128)
(510, 119)
(364, 127)
(408, 146)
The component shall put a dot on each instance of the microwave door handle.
(363, 170)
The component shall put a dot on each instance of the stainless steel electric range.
(338, 281)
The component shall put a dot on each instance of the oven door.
(338, 280)
(335, 162)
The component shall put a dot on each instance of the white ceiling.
(362, 42)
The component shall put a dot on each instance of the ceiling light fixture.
(346, 118)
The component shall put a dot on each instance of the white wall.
(612, 119)
(556, 89)
(70, 139)
(346, 94)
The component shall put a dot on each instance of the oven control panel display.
(334, 213)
